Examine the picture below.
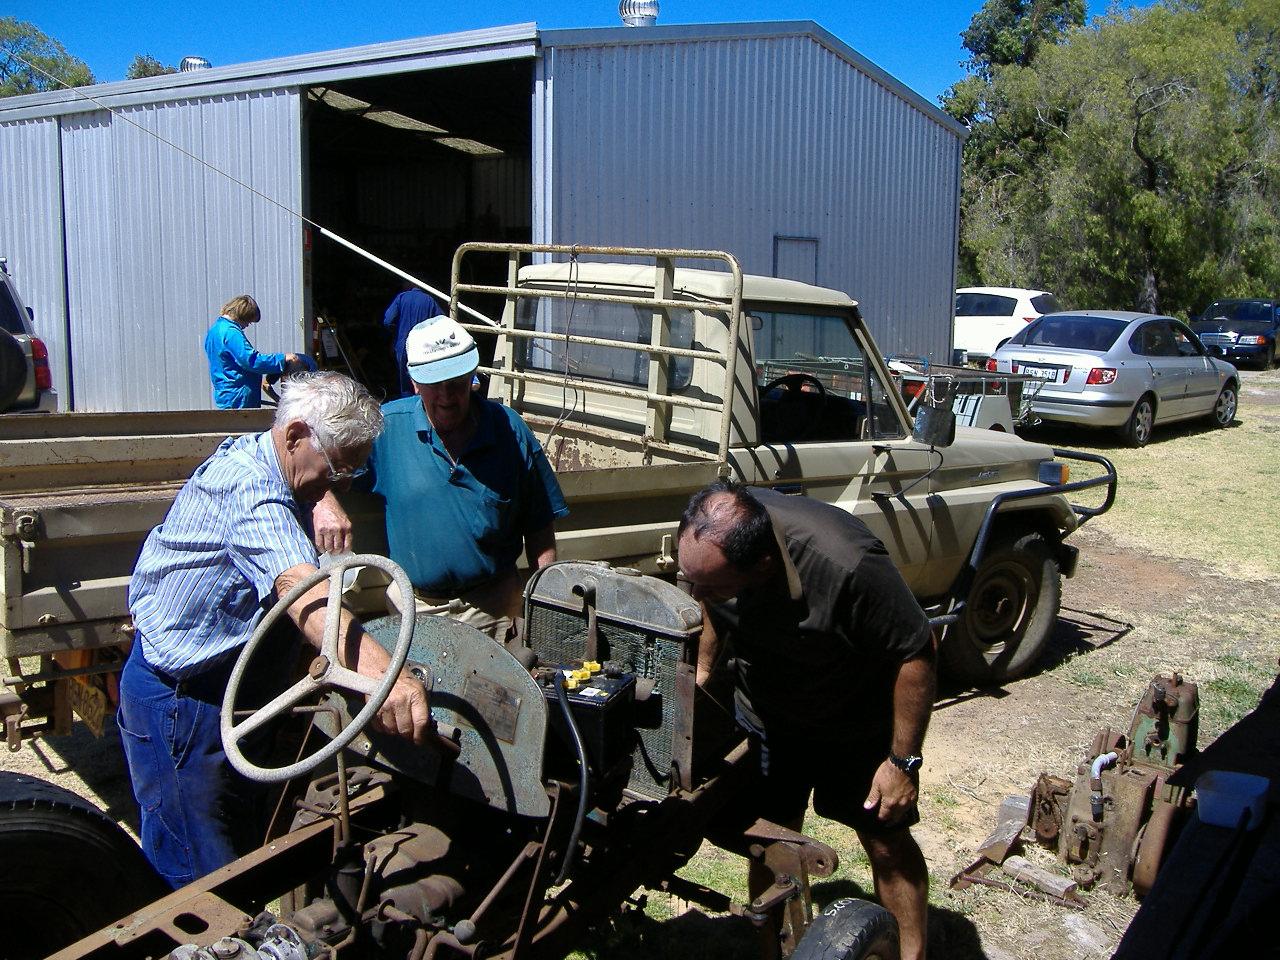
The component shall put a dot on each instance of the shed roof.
(440, 50)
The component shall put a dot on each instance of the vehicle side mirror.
(1214, 350)
(935, 426)
(31, 314)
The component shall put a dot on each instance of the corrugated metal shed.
(774, 141)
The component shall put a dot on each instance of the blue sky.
(918, 41)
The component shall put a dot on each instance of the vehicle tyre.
(1010, 614)
(850, 929)
(1224, 408)
(13, 369)
(69, 869)
(1137, 429)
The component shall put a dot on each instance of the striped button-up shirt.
(206, 573)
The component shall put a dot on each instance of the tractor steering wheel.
(325, 673)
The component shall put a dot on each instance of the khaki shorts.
(491, 607)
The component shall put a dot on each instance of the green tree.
(1135, 164)
(145, 65)
(31, 62)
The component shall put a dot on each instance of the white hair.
(340, 412)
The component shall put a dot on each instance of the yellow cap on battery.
(591, 665)
(571, 683)
(581, 674)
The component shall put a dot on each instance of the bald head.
(726, 542)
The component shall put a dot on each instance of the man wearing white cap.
(466, 484)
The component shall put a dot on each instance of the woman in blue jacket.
(235, 367)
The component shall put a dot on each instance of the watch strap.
(910, 764)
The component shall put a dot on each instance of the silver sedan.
(1130, 371)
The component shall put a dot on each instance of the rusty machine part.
(418, 852)
(1113, 823)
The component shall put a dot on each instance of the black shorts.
(784, 775)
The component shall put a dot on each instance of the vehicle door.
(829, 429)
(1203, 382)
(1154, 342)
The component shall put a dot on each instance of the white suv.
(25, 381)
(988, 316)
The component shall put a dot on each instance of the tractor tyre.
(1010, 613)
(850, 929)
(69, 869)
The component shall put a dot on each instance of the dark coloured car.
(1245, 330)
(26, 384)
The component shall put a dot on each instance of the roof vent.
(193, 63)
(638, 13)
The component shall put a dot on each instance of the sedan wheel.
(1137, 432)
(1224, 411)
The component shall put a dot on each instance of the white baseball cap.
(440, 349)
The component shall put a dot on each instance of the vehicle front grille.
(1218, 339)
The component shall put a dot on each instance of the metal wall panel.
(727, 142)
(31, 232)
(157, 241)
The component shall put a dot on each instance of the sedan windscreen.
(1258, 310)
(984, 305)
(1071, 333)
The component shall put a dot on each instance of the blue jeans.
(198, 814)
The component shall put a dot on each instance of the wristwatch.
(907, 765)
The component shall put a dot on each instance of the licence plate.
(1045, 373)
(89, 703)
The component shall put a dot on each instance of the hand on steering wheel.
(326, 673)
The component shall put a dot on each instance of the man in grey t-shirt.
(833, 670)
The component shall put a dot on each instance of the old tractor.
(565, 772)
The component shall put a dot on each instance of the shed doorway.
(409, 166)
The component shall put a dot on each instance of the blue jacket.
(235, 367)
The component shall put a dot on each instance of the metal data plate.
(478, 687)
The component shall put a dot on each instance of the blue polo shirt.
(456, 526)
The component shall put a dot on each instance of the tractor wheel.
(69, 870)
(1010, 614)
(850, 929)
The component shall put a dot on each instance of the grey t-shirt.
(823, 663)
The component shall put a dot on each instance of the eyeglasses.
(338, 476)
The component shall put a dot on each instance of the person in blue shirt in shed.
(235, 367)
(466, 484)
(407, 310)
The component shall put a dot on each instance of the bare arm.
(406, 711)
(708, 649)
(540, 546)
(894, 791)
(330, 525)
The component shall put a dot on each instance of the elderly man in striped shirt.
(234, 541)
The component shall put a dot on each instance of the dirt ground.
(1173, 578)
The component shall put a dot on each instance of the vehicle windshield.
(10, 314)
(1259, 310)
(984, 305)
(1095, 334)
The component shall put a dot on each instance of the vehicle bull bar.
(959, 595)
